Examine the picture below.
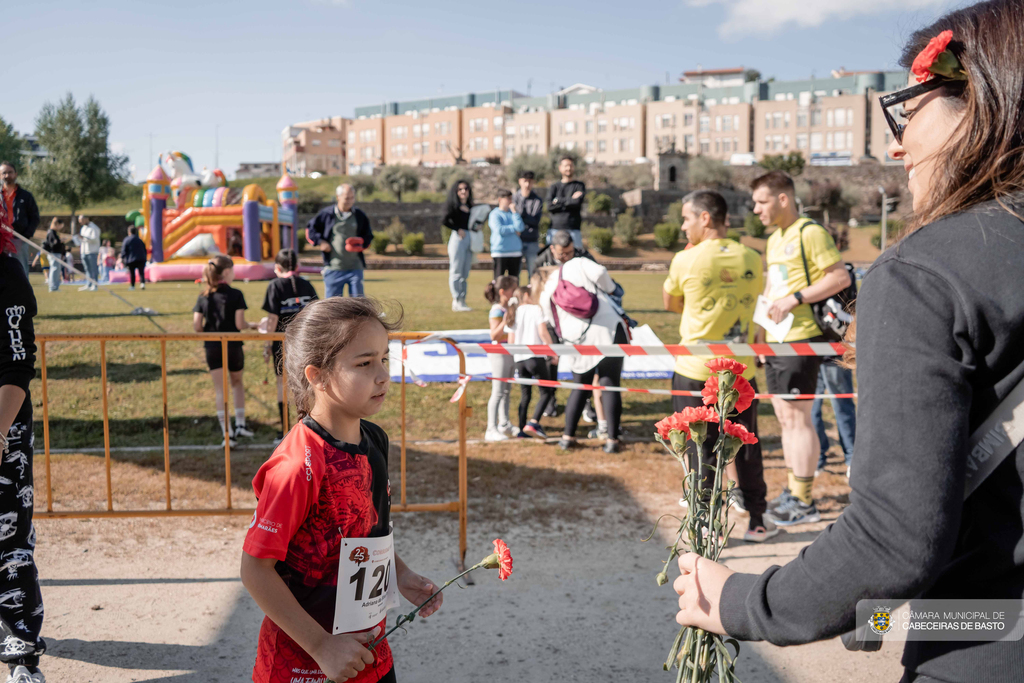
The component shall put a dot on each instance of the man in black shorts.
(804, 266)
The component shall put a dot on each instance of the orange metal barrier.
(459, 506)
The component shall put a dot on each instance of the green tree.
(599, 203)
(80, 167)
(445, 177)
(555, 155)
(537, 163)
(753, 225)
(627, 227)
(362, 184)
(11, 144)
(399, 179)
(708, 173)
(792, 163)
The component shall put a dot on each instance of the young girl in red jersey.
(324, 508)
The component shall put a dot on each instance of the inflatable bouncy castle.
(210, 218)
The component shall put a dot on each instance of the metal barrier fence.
(459, 506)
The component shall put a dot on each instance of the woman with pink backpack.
(575, 301)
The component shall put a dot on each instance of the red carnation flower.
(730, 364)
(701, 414)
(505, 558)
(672, 422)
(738, 431)
(926, 58)
(740, 384)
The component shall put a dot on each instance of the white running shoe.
(243, 432)
(493, 435)
(143, 285)
(507, 428)
(84, 288)
(460, 307)
(233, 442)
(21, 674)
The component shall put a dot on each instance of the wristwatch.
(798, 296)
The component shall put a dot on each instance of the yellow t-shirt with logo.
(719, 281)
(786, 269)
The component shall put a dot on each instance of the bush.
(312, 202)
(544, 226)
(631, 176)
(413, 243)
(895, 227)
(708, 173)
(395, 231)
(733, 235)
(666, 235)
(753, 225)
(398, 179)
(600, 239)
(555, 155)
(599, 203)
(674, 215)
(380, 243)
(627, 227)
(363, 185)
(792, 163)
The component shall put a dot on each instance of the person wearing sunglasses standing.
(940, 319)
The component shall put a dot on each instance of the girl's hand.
(416, 589)
(699, 587)
(343, 656)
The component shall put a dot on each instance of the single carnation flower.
(926, 58)
(505, 557)
(701, 414)
(730, 364)
(740, 384)
(670, 423)
(738, 431)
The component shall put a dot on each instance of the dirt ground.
(160, 600)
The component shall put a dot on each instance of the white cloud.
(745, 17)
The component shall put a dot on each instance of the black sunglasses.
(896, 118)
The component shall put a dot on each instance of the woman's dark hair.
(497, 285)
(984, 159)
(453, 203)
(318, 334)
(288, 260)
(213, 271)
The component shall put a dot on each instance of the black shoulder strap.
(803, 256)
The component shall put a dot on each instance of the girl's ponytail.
(494, 288)
(288, 261)
(521, 297)
(213, 271)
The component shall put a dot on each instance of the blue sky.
(184, 71)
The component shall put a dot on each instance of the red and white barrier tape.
(558, 384)
(622, 350)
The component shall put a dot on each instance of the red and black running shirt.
(312, 492)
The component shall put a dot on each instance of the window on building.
(440, 147)
(849, 116)
(830, 119)
(736, 122)
(687, 120)
(767, 120)
(632, 145)
(777, 142)
(352, 138)
(777, 119)
(705, 125)
(688, 143)
(498, 121)
(416, 148)
(718, 123)
(570, 127)
(416, 131)
(497, 142)
(735, 144)
(334, 143)
(801, 119)
(767, 143)
(816, 140)
(801, 140)
(717, 150)
(602, 145)
(571, 144)
(785, 119)
(705, 146)
(590, 146)
(849, 139)
(828, 141)
(815, 117)
(840, 117)
(602, 125)
(315, 143)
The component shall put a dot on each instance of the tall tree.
(399, 179)
(11, 144)
(80, 167)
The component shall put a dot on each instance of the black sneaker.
(781, 499)
(794, 512)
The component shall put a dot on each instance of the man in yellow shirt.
(714, 284)
(804, 267)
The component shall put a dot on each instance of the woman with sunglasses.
(940, 343)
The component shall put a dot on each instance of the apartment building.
(608, 133)
(483, 132)
(527, 132)
(423, 138)
(365, 144)
(315, 146)
(672, 124)
(827, 130)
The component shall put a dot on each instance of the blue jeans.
(530, 250)
(24, 254)
(53, 278)
(833, 379)
(92, 268)
(335, 281)
(460, 261)
(577, 238)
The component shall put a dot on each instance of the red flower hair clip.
(936, 59)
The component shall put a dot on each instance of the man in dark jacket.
(22, 211)
(341, 232)
(529, 207)
(565, 201)
(560, 250)
(133, 255)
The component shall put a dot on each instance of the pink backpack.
(574, 300)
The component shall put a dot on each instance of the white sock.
(602, 425)
(220, 418)
(240, 417)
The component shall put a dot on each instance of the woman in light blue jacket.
(506, 246)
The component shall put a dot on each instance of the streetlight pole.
(885, 216)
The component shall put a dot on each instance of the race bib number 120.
(366, 583)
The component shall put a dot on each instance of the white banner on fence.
(437, 361)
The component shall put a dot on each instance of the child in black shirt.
(286, 296)
(221, 308)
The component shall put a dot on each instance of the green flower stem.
(408, 618)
